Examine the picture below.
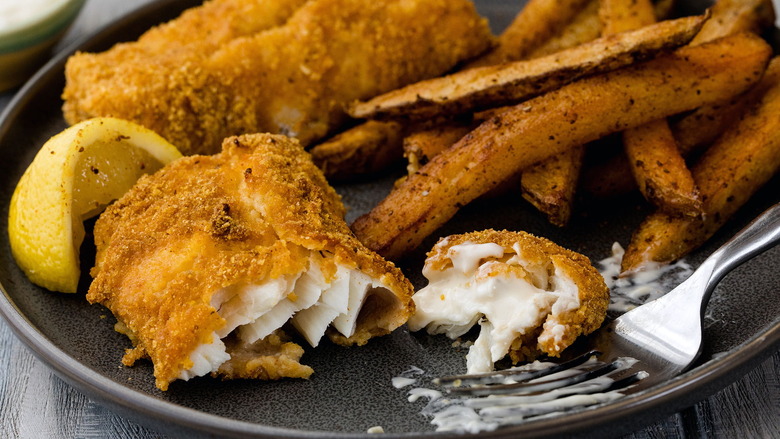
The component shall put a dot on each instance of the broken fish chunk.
(205, 263)
(529, 295)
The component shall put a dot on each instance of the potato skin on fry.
(509, 83)
(539, 21)
(728, 174)
(660, 170)
(732, 16)
(585, 27)
(362, 150)
(552, 123)
(550, 185)
(703, 126)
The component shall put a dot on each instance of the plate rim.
(663, 399)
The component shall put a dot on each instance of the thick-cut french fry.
(732, 16)
(537, 22)
(513, 82)
(656, 163)
(704, 125)
(362, 150)
(612, 177)
(728, 174)
(422, 145)
(701, 127)
(625, 15)
(550, 185)
(659, 169)
(555, 122)
(585, 27)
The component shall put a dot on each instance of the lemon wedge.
(74, 176)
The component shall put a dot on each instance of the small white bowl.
(25, 39)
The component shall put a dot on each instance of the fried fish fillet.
(293, 79)
(155, 76)
(203, 262)
(529, 295)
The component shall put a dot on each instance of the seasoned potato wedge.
(555, 122)
(362, 150)
(728, 174)
(420, 146)
(513, 82)
(352, 154)
(550, 185)
(704, 125)
(585, 27)
(701, 127)
(655, 161)
(660, 170)
(732, 16)
(625, 15)
(537, 22)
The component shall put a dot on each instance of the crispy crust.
(541, 254)
(292, 76)
(254, 212)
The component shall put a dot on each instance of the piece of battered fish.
(155, 75)
(293, 79)
(529, 295)
(203, 262)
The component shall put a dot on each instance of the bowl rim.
(51, 22)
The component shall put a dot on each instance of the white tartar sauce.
(626, 293)
(15, 13)
(473, 414)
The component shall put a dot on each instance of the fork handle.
(760, 235)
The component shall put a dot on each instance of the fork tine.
(627, 381)
(515, 373)
(543, 386)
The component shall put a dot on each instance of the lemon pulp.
(74, 176)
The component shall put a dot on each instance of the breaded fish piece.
(203, 262)
(132, 78)
(529, 295)
(293, 79)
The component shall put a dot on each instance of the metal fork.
(645, 346)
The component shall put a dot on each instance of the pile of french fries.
(563, 75)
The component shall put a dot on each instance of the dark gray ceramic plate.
(351, 391)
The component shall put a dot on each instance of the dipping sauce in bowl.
(28, 30)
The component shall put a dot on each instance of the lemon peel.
(74, 176)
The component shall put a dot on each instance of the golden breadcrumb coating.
(252, 213)
(156, 76)
(540, 255)
(293, 78)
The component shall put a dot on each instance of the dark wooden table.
(34, 403)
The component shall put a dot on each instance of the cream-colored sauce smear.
(638, 288)
(473, 414)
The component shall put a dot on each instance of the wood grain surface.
(34, 403)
